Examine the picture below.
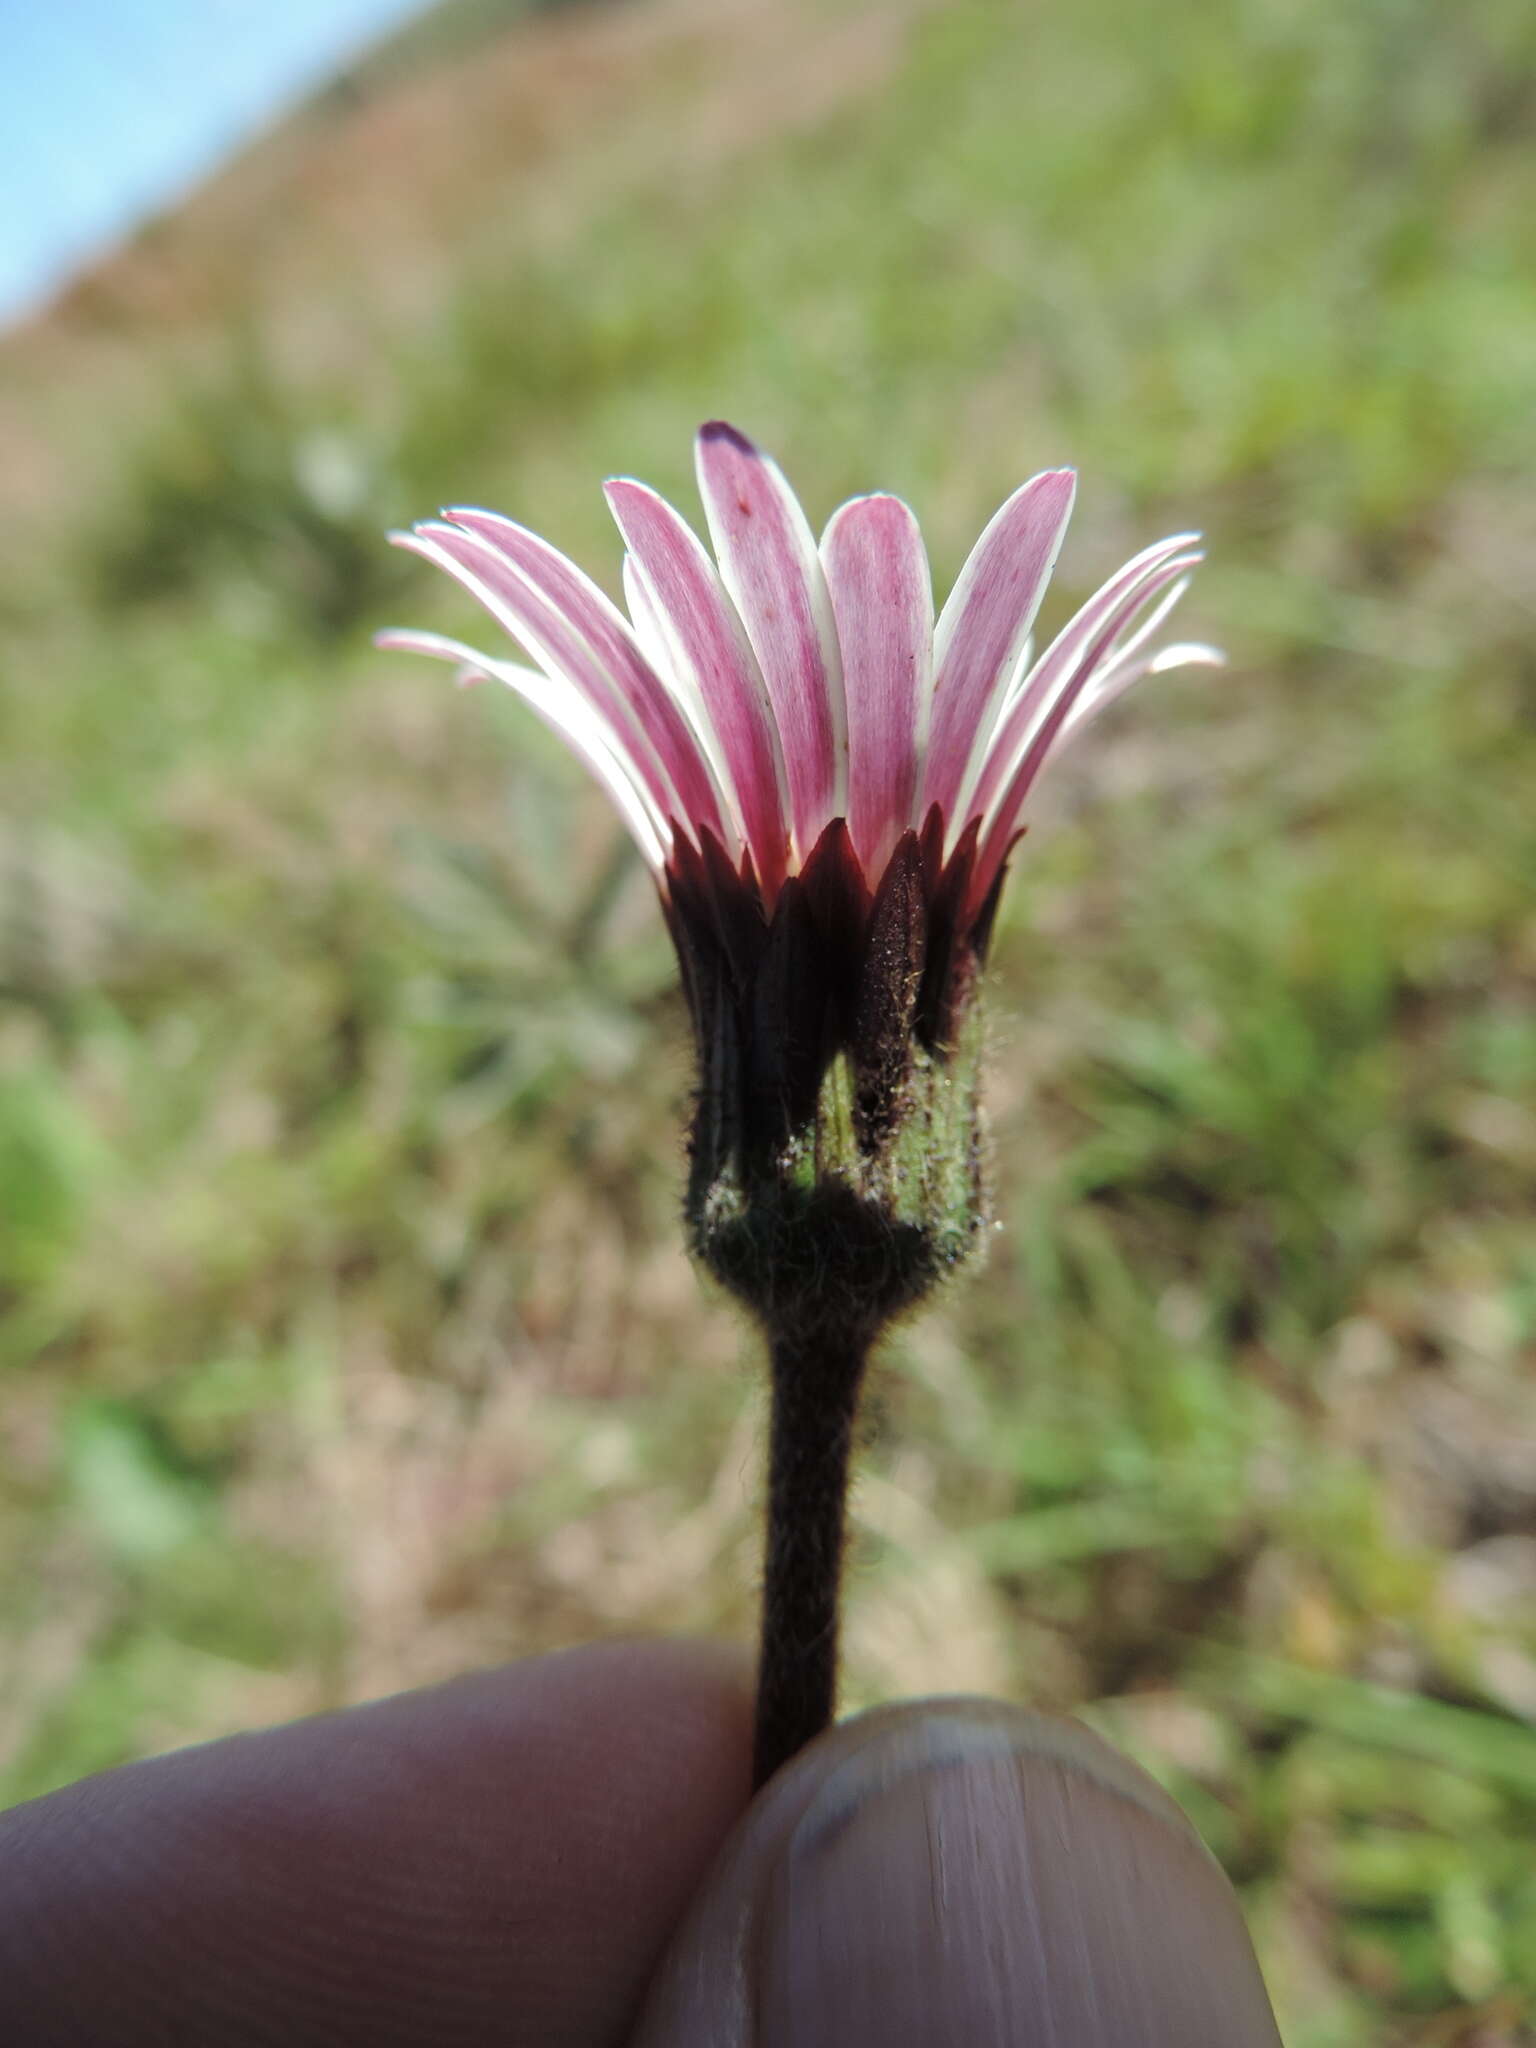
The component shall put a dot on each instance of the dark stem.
(816, 1382)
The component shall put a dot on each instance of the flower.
(827, 786)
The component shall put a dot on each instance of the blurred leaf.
(1483, 1746)
(50, 1161)
(126, 1484)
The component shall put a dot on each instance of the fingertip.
(962, 1871)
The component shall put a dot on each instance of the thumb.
(962, 1871)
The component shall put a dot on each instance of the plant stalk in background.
(827, 786)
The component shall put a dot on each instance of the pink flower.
(750, 701)
(826, 785)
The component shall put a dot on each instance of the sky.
(111, 110)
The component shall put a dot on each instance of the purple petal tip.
(722, 430)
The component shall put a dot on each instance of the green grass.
(345, 1333)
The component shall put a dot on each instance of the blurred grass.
(345, 1335)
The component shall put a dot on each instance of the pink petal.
(566, 712)
(769, 565)
(882, 600)
(523, 613)
(570, 627)
(1079, 649)
(1079, 653)
(983, 628)
(677, 584)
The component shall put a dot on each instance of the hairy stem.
(816, 1380)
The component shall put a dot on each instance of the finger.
(500, 1859)
(960, 1871)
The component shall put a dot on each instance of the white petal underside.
(567, 713)
(572, 629)
(525, 617)
(1134, 658)
(1078, 657)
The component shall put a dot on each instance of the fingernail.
(972, 1874)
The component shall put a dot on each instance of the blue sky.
(111, 109)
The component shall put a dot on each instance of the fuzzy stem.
(816, 1380)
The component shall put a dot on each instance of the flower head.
(826, 784)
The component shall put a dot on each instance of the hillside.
(461, 146)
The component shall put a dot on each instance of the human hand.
(511, 1857)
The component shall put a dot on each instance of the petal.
(520, 611)
(1016, 682)
(882, 599)
(476, 666)
(571, 628)
(676, 585)
(1111, 685)
(983, 628)
(1079, 649)
(567, 713)
(1133, 659)
(769, 565)
(655, 644)
(1078, 656)
(646, 619)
